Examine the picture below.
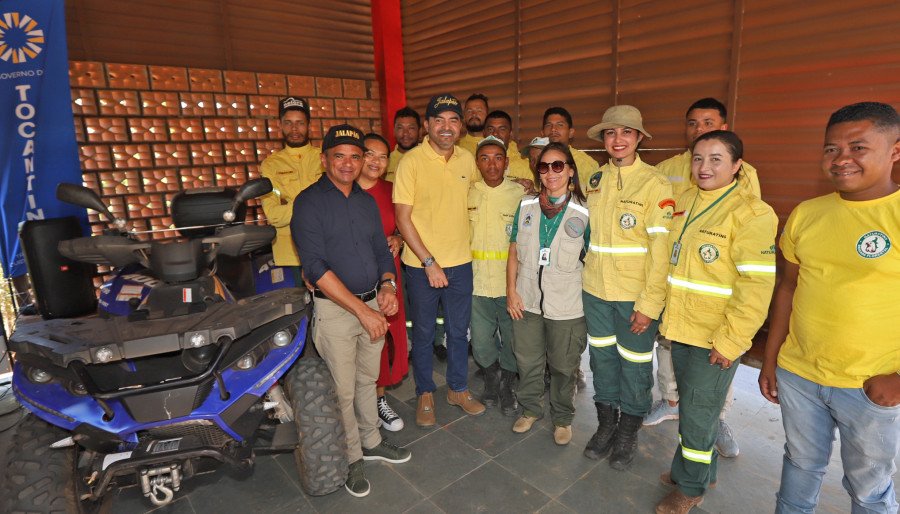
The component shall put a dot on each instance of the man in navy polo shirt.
(337, 230)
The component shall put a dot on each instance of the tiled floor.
(479, 465)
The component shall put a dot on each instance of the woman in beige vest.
(543, 276)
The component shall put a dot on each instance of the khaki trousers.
(353, 359)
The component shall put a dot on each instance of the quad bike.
(181, 380)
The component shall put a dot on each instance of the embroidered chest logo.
(574, 227)
(595, 180)
(709, 253)
(873, 244)
(627, 221)
(527, 221)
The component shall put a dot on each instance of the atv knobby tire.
(40, 479)
(322, 451)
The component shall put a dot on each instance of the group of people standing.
(539, 255)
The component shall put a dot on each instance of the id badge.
(676, 251)
(544, 257)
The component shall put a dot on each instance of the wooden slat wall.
(461, 47)
(302, 37)
(783, 66)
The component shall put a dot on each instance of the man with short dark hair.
(833, 350)
(291, 170)
(474, 115)
(557, 126)
(406, 132)
(430, 197)
(499, 125)
(337, 228)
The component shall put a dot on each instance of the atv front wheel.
(40, 479)
(322, 452)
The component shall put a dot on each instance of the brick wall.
(147, 132)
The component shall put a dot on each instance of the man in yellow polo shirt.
(474, 114)
(492, 207)
(431, 202)
(557, 126)
(291, 170)
(499, 125)
(833, 351)
(406, 132)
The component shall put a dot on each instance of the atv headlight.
(104, 354)
(246, 362)
(39, 376)
(197, 340)
(282, 338)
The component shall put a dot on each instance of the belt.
(368, 295)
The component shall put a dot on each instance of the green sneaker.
(387, 452)
(356, 484)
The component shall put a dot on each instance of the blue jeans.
(870, 440)
(423, 302)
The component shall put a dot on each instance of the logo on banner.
(20, 39)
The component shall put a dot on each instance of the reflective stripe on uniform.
(629, 355)
(755, 268)
(701, 287)
(480, 255)
(578, 208)
(657, 230)
(528, 201)
(600, 342)
(695, 455)
(621, 250)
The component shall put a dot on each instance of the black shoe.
(508, 404)
(491, 393)
(387, 452)
(580, 383)
(625, 443)
(440, 351)
(602, 440)
(356, 483)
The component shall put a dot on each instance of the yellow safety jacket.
(678, 170)
(588, 168)
(394, 163)
(469, 142)
(491, 214)
(631, 213)
(291, 170)
(719, 291)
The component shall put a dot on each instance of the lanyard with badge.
(676, 248)
(546, 229)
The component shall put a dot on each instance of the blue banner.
(37, 134)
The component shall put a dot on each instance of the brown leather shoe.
(562, 435)
(666, 479)
(463, 399)
(523, 424)
(425, 411)
(676, 502)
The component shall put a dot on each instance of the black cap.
(441, 103)
(343, 135)
(293, 103)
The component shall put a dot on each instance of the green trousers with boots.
(493, 353)
(538, 342)
(703, 390)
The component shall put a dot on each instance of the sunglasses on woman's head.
(545, 167)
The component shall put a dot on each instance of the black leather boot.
(601, 442)
(491, 394)
(625, 443)
(508, 404)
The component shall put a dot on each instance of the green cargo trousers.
(538, 342)
(703, 390)
(488, 316)
(622, 362)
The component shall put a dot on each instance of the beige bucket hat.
(619, 116)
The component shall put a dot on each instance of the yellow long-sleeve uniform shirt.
(588, 168)
(291, 170)
(469, 142)
(678, 171)
(491, 214)
(719, 290)
(628, 254)
(394, 163)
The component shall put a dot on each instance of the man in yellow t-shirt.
(474, 114)
(291, 170)
(499, 125)
(407, 124)
(557, 126)
(833, 351)
(431, 202)
(492, 207)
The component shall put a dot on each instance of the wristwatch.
(428, 262)
(388, 281)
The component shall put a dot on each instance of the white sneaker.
(725, 443)
(660, 412)
(387, 418)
